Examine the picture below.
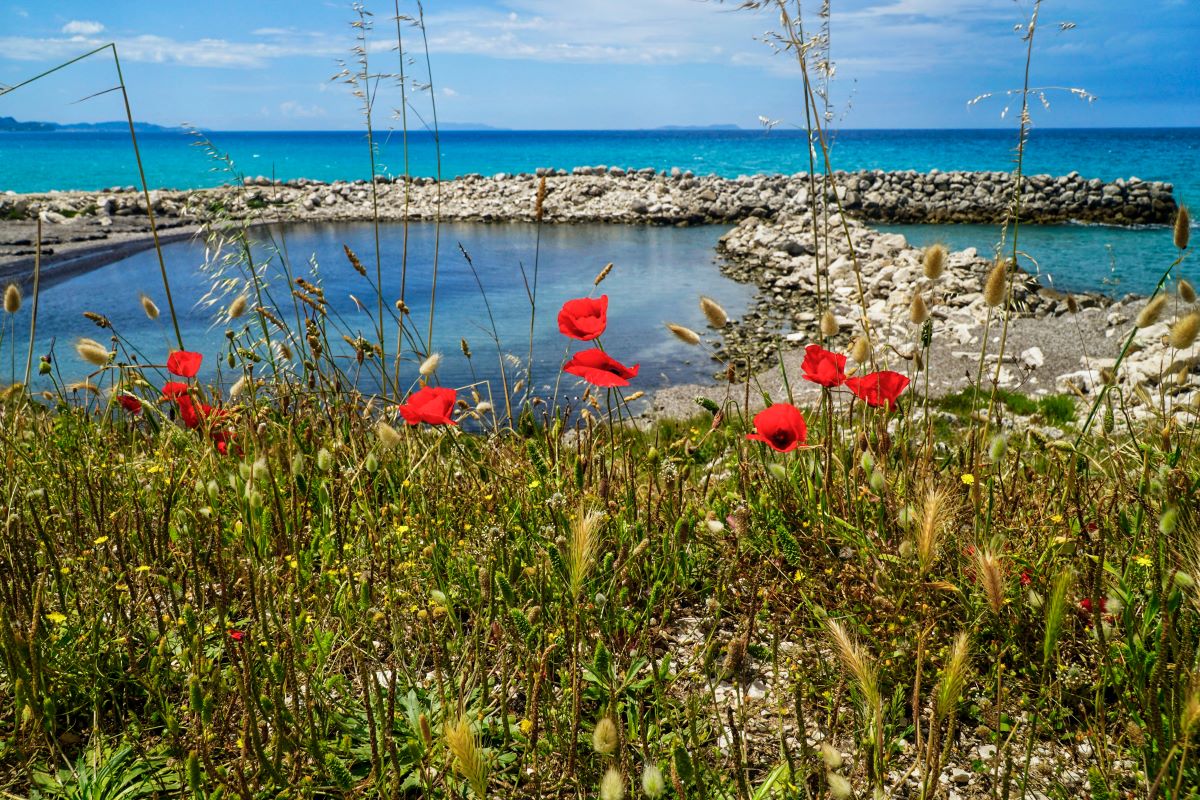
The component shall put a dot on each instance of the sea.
(659, 273)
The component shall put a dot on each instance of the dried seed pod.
(1183, 228)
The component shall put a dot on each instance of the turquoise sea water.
(658, 276)
(660, 271)
(40, 162)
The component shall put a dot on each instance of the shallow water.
(658, 276)
(1074, 258)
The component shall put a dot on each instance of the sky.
(601, 64)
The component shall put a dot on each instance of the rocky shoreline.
(773, 244)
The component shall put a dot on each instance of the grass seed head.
(1152, 311)
(1183, 228)
(987, 565)
(935, 514)
(861, 352)
(149, 307)
(934, 261)
(539, 204)
(856, 661)
(954, 678)
(685, 335)
(829, 324)
(612, 785)
(993, 288)
(582, 548)
(604, 737)
(918, 312)
(603, 274)
(652, 782)
(1183, 332)
(430, 364)
(839, 787)
(389, 437)
(1187, 292)
(238, 306)
(12, 298)
(468, 756)
(92, 352)
(713, 312)
(831, 756)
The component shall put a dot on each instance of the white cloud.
(82, 27)
(448, 92)
(290, 108)
(217, 53)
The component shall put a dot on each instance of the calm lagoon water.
(658, 276)
(1072, 258)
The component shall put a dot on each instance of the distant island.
(10, 125)
(723, 127)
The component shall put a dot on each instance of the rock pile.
(613, 194)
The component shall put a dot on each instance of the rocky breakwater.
(1053, 342)
(74, 221)
(913, 197)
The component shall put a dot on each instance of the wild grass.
(301, 596)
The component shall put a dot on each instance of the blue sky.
(579, 64)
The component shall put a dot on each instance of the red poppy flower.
(173, 390)
(222, 439)
(781, 427)
(584, 318)
(1086, 604)
(237, 635)
(184, 363)
(1026, 578)
(600, 369)
(823, 367)
(431, 405)
(879, 388)
(130, 403)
